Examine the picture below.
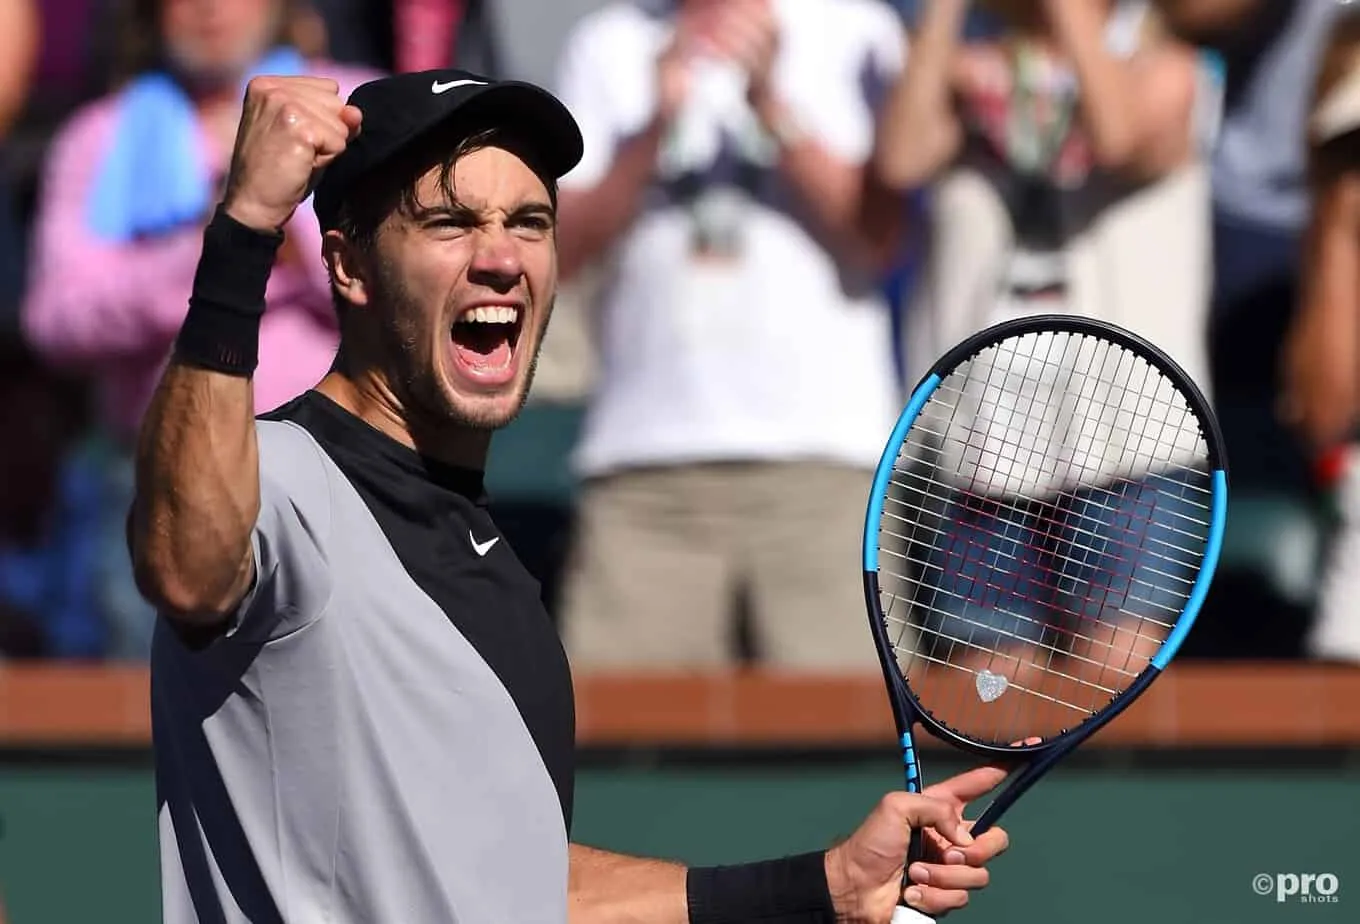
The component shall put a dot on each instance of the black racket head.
(1042, 530)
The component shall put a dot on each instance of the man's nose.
(496, 262)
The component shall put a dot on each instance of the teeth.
(494, 314)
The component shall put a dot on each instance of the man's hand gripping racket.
(1041, 533)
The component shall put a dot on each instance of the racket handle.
(905, 915)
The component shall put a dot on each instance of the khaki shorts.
(661, 558)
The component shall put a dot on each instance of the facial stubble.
(413, 369)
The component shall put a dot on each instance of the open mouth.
(485, 337)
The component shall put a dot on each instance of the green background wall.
(1115, 844)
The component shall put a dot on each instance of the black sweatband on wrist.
(791, 890)
(221, 332)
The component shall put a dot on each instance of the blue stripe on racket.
(1042, 530)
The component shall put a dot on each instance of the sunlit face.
(217, 39)
(465, 289)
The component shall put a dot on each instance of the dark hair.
(392, 187)
(141, 46)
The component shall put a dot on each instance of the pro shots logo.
(1305, 888)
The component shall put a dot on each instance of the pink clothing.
(426, 33)
(113, 310)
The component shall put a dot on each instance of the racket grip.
(905, 915)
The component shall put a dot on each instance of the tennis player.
(361, 710)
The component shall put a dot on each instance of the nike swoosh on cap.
(438, 87)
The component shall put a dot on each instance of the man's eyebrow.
(532, 209)
(462, 212)
(455, 210)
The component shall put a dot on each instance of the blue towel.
(154, 177)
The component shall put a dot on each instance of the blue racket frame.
(907, 710)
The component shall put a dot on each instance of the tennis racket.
(1041, 532)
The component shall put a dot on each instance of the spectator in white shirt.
(747, 378)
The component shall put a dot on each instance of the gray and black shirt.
(386, 731)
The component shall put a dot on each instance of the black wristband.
(222, 329)
(791, 890)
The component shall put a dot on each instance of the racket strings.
(1142, 587)
(1186, 524)
(1056, 672)
(1084, 541)
(1048, 524)
(1017, 686)
(1047, 530)
(1084, 535)
(1042, 533)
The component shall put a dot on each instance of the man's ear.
(345, 265)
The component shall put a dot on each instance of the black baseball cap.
(400, 110)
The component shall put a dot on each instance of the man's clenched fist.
(291, 128)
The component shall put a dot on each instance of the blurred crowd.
(785, 211)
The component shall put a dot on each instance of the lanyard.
(1031, 149)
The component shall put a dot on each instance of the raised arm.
(1321, 374)
(600, 201)
(1207, 20)
(826, 169)
(1137, 111)
(19, 40)
(198, 474)
(919, 133)
(1322, 349)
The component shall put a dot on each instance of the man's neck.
(368, 398)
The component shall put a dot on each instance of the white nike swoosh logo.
(481, 548)
(438, 87)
